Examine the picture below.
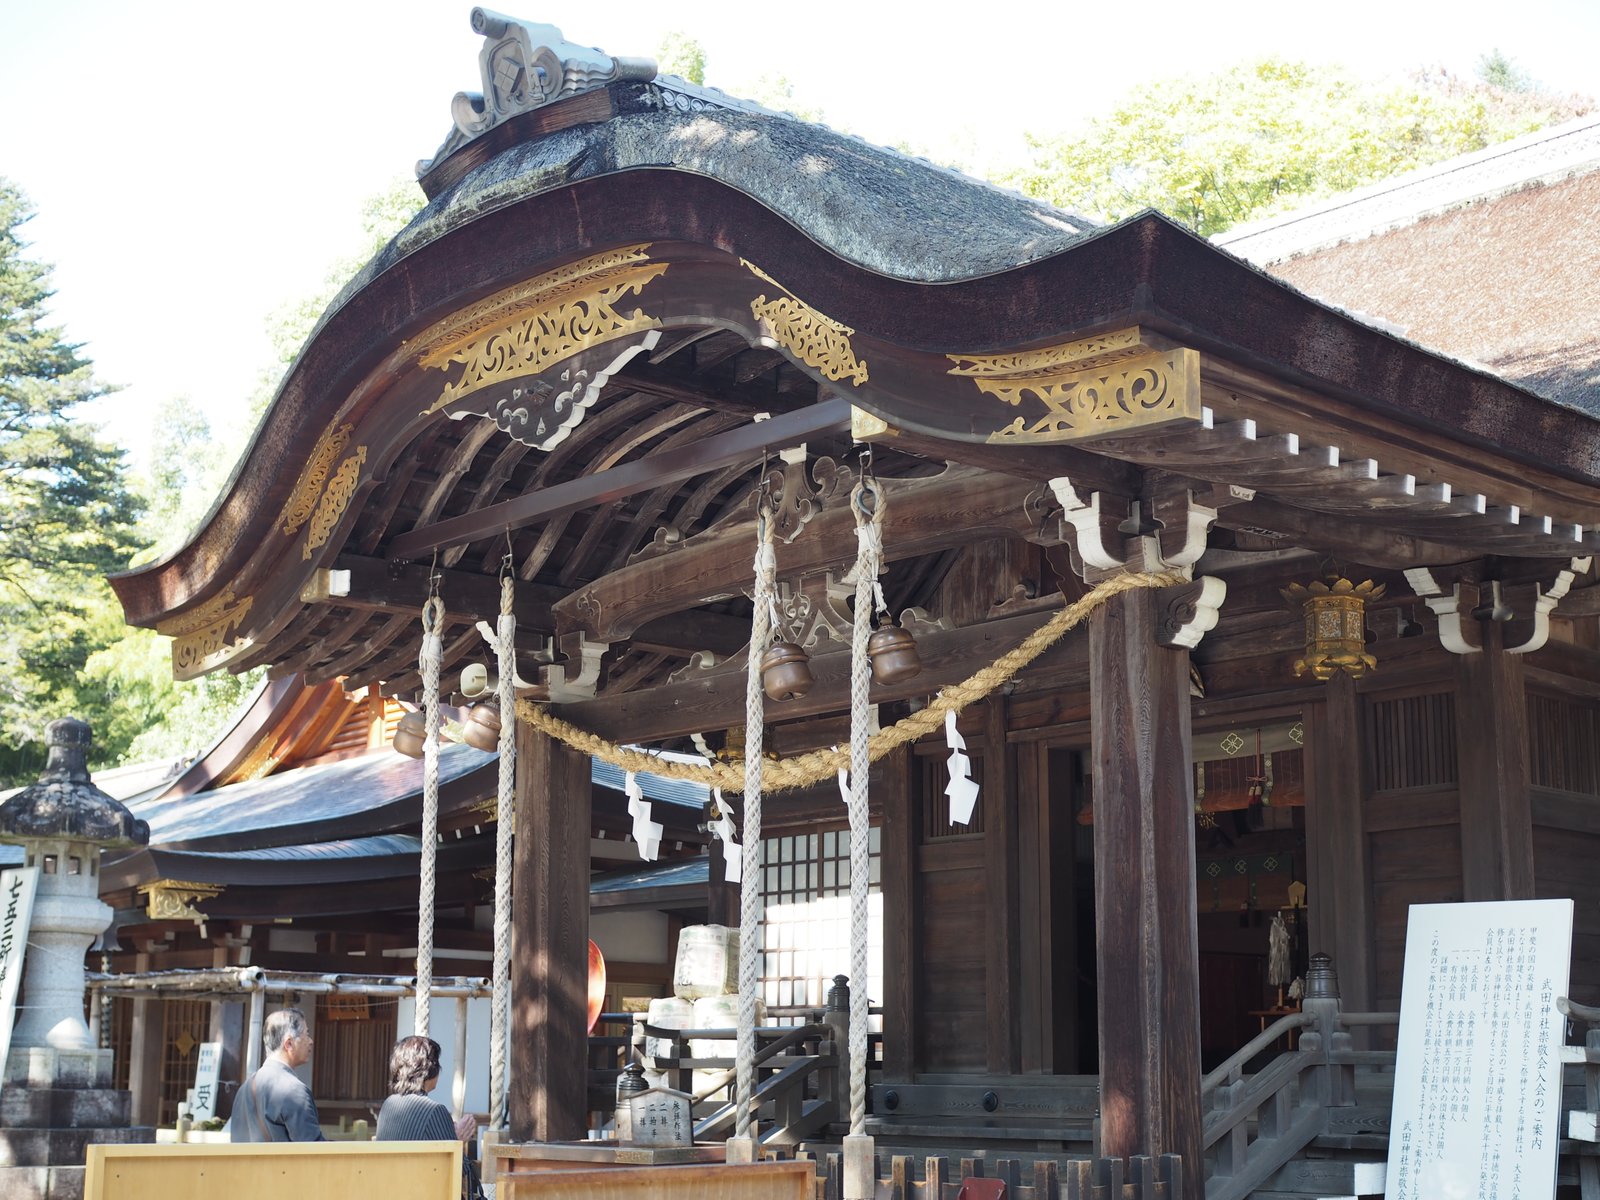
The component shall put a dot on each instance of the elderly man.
(274, 1105)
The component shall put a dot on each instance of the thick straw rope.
(869, 562)
(430, 661)
(500, 1005)
(805, 769)
(746, 1114)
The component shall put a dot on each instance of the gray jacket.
(274, 1106)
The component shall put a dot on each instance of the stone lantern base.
(53, 1104)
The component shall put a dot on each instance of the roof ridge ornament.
(525, 66)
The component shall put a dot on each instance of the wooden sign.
(1477, 1087)
(17, 887)
(207, 1074)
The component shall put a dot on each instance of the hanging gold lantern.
(785, 671)
(410, 733)
(1336, 626)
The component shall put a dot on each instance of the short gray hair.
(282, 1025)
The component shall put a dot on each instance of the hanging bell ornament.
(785, 671)
(893, 652)
(410, 734)
(482, 728)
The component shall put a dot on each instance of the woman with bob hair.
(409, 1114)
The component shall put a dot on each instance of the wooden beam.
(957, 507)
(1001, 849)
(380, 586)
(1492, 753)
(550, 922)
(1338, 879)
(901, 920)
(695, 706)
(739, 445)
(705, 391)
(1146, 942)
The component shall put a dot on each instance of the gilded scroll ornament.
(341, 488)
(813, 337)
(524, 330)
(204, 637)
(1067, 406)
(303, 500)
(1081, 355)
(174, 899)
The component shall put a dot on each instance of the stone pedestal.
(53, 1104)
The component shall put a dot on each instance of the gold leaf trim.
(813, 337)
(303, 500)
(203, 638)
(173, 899)
(1141, 393)
(542, 322)
(334, 501)
(1081, 355)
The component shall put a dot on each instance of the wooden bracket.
(1188, 612)
(1523, 608)
(1111, 534)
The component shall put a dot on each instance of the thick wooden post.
(1145, 943)
(1492, 756)
(1338, 890)
(550, 928)
(891, 786)
(1001, 835)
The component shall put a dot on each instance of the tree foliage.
(67, 514)
(683, 56)
(1262, 137)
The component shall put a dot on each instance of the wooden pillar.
(891, 785)
(144, 1049)
(1002, 968)
(1146, 944)
(1492, 753)
(550, 928)
(1338, 894)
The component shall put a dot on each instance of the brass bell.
(482, 728)
(410, 734)
(785, 673)
(893, 652)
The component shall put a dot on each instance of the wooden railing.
(1138, 1178)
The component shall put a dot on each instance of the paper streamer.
(732, 855)
(645, 831)
(961, 789)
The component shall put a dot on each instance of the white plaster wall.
(442, 1029)
(630, 937)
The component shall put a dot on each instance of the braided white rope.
(746, 1115)
(500, 1005)
(431, 661)
(869, 561)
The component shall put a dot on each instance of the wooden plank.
(1034, 909)
(1336, 851)
(273, 1171)
(902, 947)
(1003, 970)
(748, 1181)
(746, 442)
(1144, 887)
(1492, 747)
(550, 923)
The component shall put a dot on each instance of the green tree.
(1259, 138)
(67, 515)
(1500, 70)
(681, 55)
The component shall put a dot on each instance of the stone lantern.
(62, 822)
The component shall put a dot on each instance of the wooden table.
(601, 1170)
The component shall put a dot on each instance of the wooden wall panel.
(1409, 866)
(952, 972)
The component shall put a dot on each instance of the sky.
(197, 167)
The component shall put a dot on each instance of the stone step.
(1329, 1177)
(64, 1108)
(41, 1183)
(44, 1147)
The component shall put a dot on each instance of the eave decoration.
(175, 899)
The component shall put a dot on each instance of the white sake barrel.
(708, 962)
(667, 1012)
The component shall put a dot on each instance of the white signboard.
(207, 1072)
(17, 886)
(1477, 1080)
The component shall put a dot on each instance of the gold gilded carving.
(258, 764)
(202, 638)
(1140, 393)
(174, 899)
(303, 500)
(334, 501)
(544, 321)
(1081, 355)
(813, 337)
